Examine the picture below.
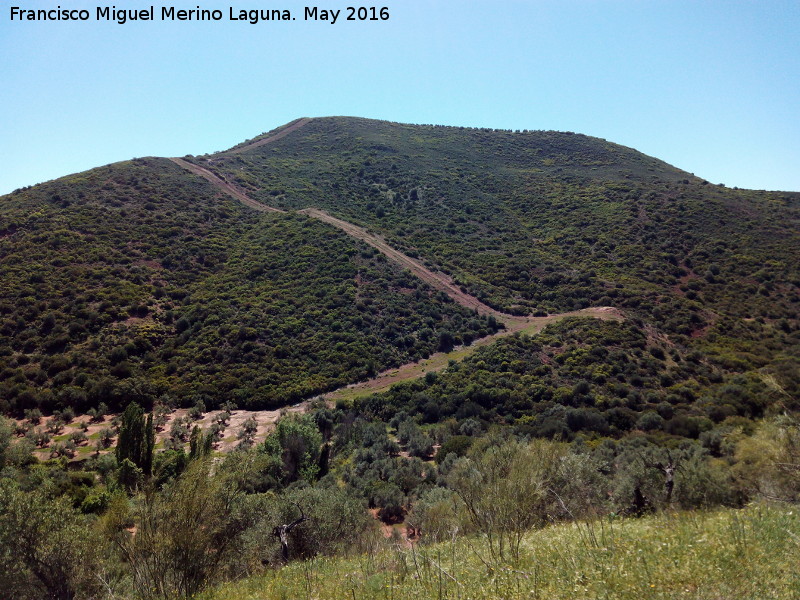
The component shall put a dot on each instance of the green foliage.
(168, 465)
(390, 501)
(435, 515)
(457, 445)
(505, 492)
(138, 284)
(200, 443)
(199, 297)
(647, 477)
(296, 444)
(6, 433)
(579, 377)
(136, 439)
(545, 221)
(108, 301)
(336, 523)
(540, 220)
(47, 549)
(184, 535)
(129, 475)
(768, 463)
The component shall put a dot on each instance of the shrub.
(297, 442)
(650, 421)
(435, 515)
(390, 501)
(457, 445)
(184, 535)
(49, 550)
(505, 491)
(768, 463)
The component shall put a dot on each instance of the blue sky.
(710, 87)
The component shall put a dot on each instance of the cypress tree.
(136, 438)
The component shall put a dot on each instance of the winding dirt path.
(439, 281)
(268, 140)
(440, 360)
(266, 419)
(225, 186)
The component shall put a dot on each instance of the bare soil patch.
(265, 420)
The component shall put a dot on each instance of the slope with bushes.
(537, 220)
(138, 280)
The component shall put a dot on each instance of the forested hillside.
(644, 358)
(539, 220)
(535, 222)
(138, 280)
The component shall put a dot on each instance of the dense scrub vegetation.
(536, 222)
(599, 379)
(460, 490)
(135, 280)
(541, 220)
(138, 280)
(94, 531)
(138, 286)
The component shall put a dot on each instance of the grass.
(714, 555)
(436, 362)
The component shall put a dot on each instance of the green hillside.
(631, 455)
(138, 280)
(540, 220)
(536, 222)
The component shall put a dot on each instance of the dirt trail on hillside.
(266, 419)
(440, 360)
(436, 280)
(224, 185)
(439, 281)
(270, 139)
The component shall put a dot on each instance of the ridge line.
(268, 140)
